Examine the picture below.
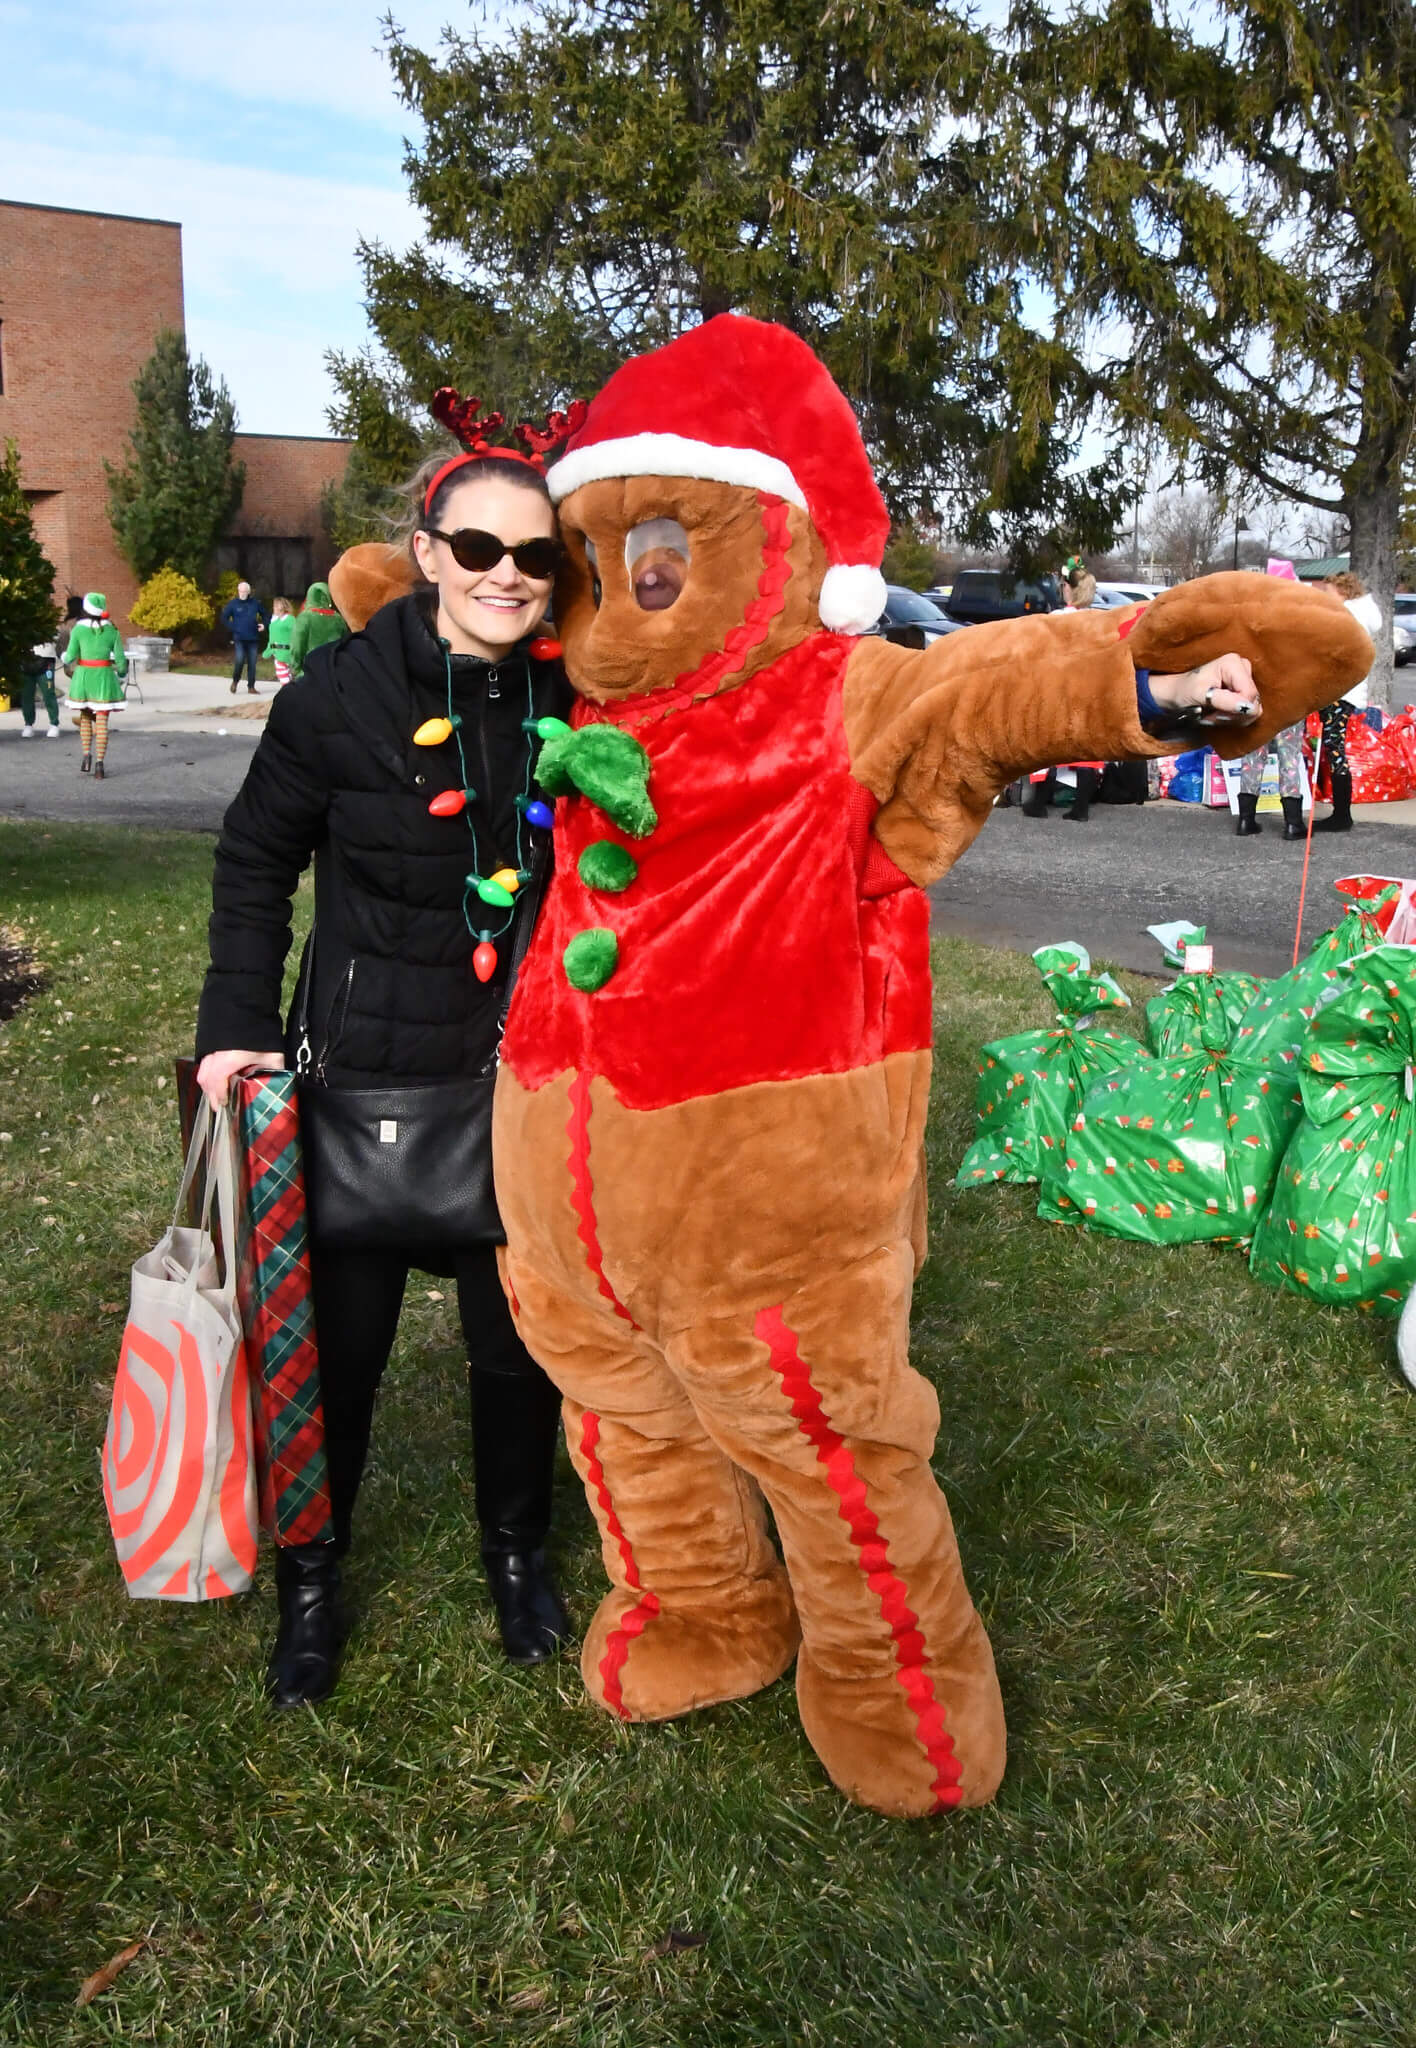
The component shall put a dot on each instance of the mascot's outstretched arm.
(934, 736)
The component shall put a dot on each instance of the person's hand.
(215, 1072)
(1223, 691)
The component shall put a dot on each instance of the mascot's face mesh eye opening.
(657, 555)
(596, 589)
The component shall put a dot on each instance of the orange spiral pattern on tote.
(153, 1456)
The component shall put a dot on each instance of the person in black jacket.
(243, 617)
(388, 995)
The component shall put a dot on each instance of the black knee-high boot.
(515, 1429)
(1248, 824)
(1293, 817)
(1341, 819)
(1088, 783)
(305, 1660)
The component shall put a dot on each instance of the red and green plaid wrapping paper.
(277, 1310)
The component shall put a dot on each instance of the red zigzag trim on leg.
(582, 1194)
(872, 1554)
(634, 1623)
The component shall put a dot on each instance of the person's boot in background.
(1248, 824)
(1293, 817)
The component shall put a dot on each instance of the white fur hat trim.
(852, 597)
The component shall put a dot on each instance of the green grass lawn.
(1188, 1513)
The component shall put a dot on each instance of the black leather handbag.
(405, 1170)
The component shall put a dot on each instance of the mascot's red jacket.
(710, 1113)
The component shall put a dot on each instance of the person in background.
(1290, 785)
(96, 665)
(1078, 594)
(316, 626)
(1078, 585)
(282, 625)
(1365, 609)
(243, 617)
(37, 678)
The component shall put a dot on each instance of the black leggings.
(515, 1408)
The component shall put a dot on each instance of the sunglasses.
(472, 549)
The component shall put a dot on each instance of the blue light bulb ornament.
(540, 814)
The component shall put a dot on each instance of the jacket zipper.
(331, 1037)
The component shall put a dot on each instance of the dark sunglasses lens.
(538, 558)
(474, 550)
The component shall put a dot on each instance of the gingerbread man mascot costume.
(715, 1073)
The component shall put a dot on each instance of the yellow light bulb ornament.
(433, 731)
(507, 878)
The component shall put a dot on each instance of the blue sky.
(270, 131)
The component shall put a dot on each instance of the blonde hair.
(1346, 584)
(281, 608)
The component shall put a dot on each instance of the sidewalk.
(179, 702)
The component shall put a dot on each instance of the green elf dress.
(95, 660)
(316, 625)
(279, 634)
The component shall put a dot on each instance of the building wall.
(277, 539)
(83, 297)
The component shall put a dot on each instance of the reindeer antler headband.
(464, 419)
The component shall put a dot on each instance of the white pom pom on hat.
(742, 401)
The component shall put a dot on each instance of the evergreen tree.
(601, 174)
(28, 613)
(179, 490)
(1228, 199)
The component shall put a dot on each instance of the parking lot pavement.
(177, 759)
(176, 779)
(1029, 882)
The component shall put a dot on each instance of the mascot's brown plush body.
(710, 1112)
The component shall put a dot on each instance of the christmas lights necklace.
(499, 890)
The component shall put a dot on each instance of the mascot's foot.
(645, 1662)
(907, 1743)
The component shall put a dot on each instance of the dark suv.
(980, 595)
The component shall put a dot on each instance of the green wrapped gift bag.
(1271, 1031)
(1342, 1223)
(1171, 1018)
(1178, 1149)
(1031, 1086)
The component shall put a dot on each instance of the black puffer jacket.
(391, 992)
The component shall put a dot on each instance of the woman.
(1365, 609)
(96, 664)
(388, 994)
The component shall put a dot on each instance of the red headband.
(472, 455)
(461, 417)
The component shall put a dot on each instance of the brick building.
(66, 399)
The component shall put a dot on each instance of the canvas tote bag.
(179, 1469)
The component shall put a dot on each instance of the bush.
(171, 603)
(226, 586)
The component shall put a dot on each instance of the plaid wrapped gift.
(277, 1311)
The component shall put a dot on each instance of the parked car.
(1127, 593)
(981, 595)
(911, 620)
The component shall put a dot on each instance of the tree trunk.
(1374, 509)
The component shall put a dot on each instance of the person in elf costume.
(96, 665)
(316, 626)
(279, 631)
(711, 1104)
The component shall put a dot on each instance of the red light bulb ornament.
(545, 649)
(484, 958)
(451, 804)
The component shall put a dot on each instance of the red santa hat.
(746, 402)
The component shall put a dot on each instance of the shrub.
(171, 603)
(226, 586)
